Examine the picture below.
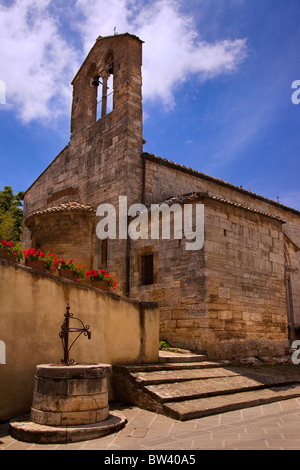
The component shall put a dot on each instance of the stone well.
(70, 395)
(70, 403)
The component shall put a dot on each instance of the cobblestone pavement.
(273, 426)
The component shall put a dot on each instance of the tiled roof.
(64, 207)
(185, 169)
(194, 196)
(197, 195)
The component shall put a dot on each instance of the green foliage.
(163, 344)
(11, 215)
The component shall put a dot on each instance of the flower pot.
(103, 285)
(5, 255)
(35, 264)
(68, 274)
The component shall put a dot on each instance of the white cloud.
(172, 49)
(37, 61)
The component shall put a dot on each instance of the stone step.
(180, 356)
(132, 368)
(179, 391)
(198, 408)
(180, 375)
(190, 390)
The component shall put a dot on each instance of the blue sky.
(217, 86)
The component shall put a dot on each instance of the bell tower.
(106, 143)
(109, 140)
(118, 57)
(101, 162)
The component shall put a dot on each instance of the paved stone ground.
(273, 426)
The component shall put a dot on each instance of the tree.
(11, 214)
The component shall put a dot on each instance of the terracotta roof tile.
(197, 173)
(64, 207)
(197, 195)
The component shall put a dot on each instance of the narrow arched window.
(110, 94)
(106, 91)
(104, 84)
(109, 67)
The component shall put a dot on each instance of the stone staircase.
(187, 386)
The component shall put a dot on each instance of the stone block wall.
(227, 299)
(246, 297)
(165, 179)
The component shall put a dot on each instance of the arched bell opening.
(103, 82)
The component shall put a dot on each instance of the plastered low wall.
(32, 308)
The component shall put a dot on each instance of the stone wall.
(33, 305)
(227, 299)
(165, 179)
(246, 297)
(68, 229)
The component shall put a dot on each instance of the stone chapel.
(238, 295)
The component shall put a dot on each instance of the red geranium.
(33, 253)
(102, 275)
(12, 249)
